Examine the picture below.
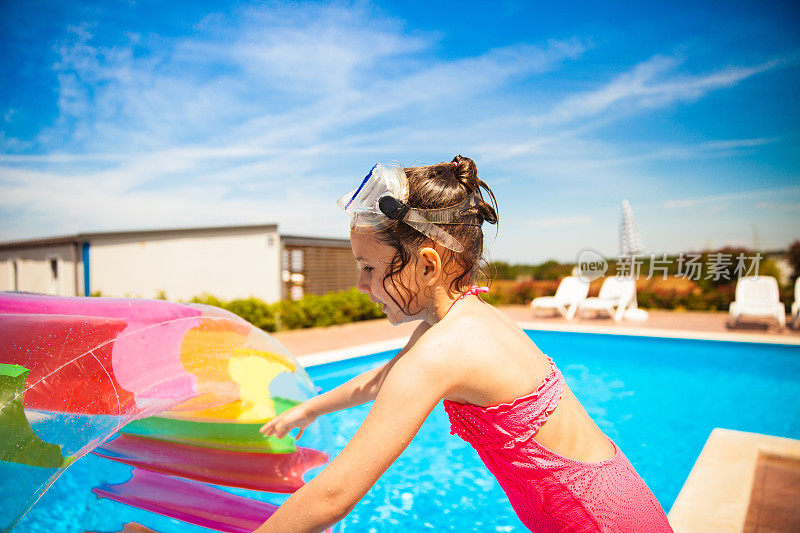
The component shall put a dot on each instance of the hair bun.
(466, 172)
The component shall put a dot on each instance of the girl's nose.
(362, 286)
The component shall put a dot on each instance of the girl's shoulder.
(463, 341)
(483, 357)
(480, 325)
(457, 330)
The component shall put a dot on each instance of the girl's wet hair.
(435, 187)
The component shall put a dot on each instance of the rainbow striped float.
(178, 391)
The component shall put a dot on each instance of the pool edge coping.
(361, 350)
(352, 352)
(732, 336)
(717, 492)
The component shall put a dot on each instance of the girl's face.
(373, 258)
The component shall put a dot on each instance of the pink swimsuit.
(550, 492)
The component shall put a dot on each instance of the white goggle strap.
(426, 227)
(425, 220)
(455, 214)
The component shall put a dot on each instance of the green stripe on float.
(221, 435)
(224, 435)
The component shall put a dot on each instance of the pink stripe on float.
(271, 472)
(189, 501)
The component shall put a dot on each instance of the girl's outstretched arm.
(409, 393)
(361, 389)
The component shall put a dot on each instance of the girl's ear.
(430, 266)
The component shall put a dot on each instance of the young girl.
(416, 235)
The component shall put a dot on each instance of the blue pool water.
(657, 398)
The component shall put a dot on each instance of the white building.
(226, 262)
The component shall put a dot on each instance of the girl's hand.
(298, 416)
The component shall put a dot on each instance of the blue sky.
(133, 115)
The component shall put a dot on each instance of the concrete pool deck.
(741, 482)
(319, 345)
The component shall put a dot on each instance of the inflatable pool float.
(177, 391)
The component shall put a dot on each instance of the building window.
(317, 270)
(296, 262)
(53, 264)
(296, 292)
(15, 274)
(293, 263)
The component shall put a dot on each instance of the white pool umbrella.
(630, 244)
(630, 240)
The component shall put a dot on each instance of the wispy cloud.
(558, 222)
(61, 203)
(158, 129)
(273, 80)
(265, 114)
(779, 206)
(748, 196)
(651, 84)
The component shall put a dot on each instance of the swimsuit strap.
(472, 290)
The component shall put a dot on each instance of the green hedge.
(308, 312)
(714, 299)
(697, 299)
(520, 293)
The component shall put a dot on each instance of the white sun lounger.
(796, 305)
(757, 296)
(615, 296)
(571, 291)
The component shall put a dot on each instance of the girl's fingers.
(279, 429)
(286, 429)
(268, 428)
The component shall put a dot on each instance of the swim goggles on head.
(381, 199)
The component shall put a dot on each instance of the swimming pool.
(657, 398)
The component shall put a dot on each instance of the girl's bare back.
(500, 363)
